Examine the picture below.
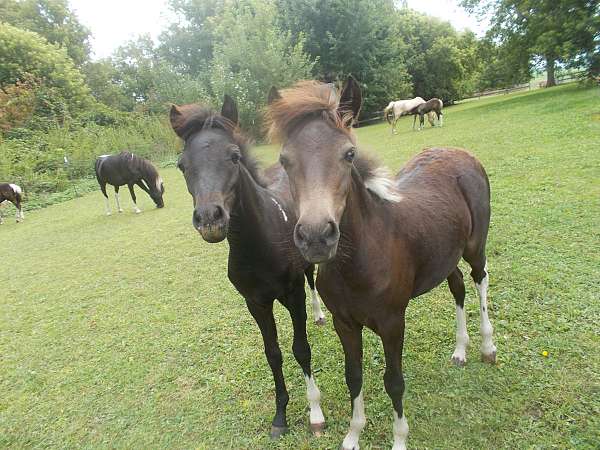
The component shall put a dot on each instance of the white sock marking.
(314, 398)
(316, 305)
(462, 337)
(486, 329)
(357, 423)
(136, 209)
(400, 432)
(107, 206)
(118, 202)
(285, 218)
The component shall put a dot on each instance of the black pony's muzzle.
(211, 221)
(317, 242)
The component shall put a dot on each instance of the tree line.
(50, 86)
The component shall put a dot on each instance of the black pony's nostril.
(196, 219)
(218, 213)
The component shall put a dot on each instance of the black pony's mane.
(147, 169)
(196, 118)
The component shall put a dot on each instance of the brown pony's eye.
(283, 160)
(180, 166)
(350, 154)
(235, 157)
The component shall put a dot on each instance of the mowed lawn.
(124, 332)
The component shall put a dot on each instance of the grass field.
(124, 332)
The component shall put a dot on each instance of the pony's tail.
(386, 114)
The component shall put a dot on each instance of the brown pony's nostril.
(300, 235)
(330, 233)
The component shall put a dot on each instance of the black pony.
(128, 169)
(253, 210)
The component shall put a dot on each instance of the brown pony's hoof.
(458, 362)
(317, 429)
(320, 322)
(490, 359)
(277, 432)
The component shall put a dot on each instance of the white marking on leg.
(400, 432)
(316, 306)
(314, 398)
(487, 343)
(357, 423)
(18, 216)
(118, 202)
(136, 209)
(441, 120)
(462, 337)
(22, 214)
(107, 206)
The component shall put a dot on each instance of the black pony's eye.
(235, 157)
(180, 167)
(350, 154)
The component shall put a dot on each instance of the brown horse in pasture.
(431, 106)
(380, 242)
(14, 194)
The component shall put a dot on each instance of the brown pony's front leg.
(351, 337)
(393, 341)
(263, 315)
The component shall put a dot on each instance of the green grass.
(124, 332)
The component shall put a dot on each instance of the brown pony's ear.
(229, 109)
(273, 95)
(350, 99)
(177, 118)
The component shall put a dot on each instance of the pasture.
(124, 331)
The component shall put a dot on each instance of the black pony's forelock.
(203, 118)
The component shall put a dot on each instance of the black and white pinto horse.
(14, 194)
(128, 169)
(431, 106)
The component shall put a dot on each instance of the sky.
(113, 22)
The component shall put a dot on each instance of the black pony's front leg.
(263, 314)
(296, 305)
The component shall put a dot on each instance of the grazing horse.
(14, 194)
(379, 241)
(400, 108)
(129, 169)
(431, 106)
(253, 211)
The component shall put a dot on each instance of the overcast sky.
(115, 21)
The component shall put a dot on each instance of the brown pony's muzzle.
(317, 242)
(211, 221)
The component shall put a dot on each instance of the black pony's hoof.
(277, 432)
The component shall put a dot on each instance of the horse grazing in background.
(431, 106)
(14, 194)
(400, 108)
(253, 211)
(128, 169)
(380, 242)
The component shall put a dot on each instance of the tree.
(26, 57)
(352, 37)
(252, 55)
(555, 31)
(52, 19)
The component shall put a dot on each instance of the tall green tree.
(352, 37)
(27, 57)
(253, 54)
(52, 19)
(555, 31)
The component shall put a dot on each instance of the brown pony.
(431, 106)
(14, 194)
(380, 242)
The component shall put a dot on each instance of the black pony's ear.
(176, 118)
(273, 95)
(350, 99)
(229, 109)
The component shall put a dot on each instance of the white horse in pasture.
(400, 108)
